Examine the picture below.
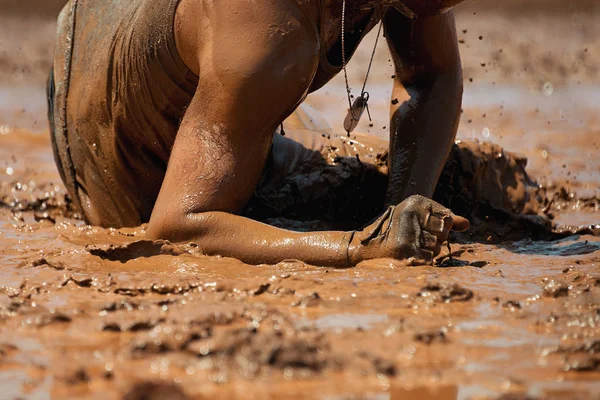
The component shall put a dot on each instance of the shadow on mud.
(570, 246)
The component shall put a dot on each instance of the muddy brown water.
(99, 313)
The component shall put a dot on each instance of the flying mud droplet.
(9, 171)
(548, 89)
(5, 129)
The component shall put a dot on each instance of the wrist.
(353, 254)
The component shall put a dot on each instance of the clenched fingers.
(441, 225)
(431, 243)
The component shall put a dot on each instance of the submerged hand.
(416, 228)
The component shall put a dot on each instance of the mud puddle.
(88, 312)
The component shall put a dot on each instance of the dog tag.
(354, 113)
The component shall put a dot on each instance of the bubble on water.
(486, 132)
(544, 154)
(10, 171)
(5, 129)
(548, 89)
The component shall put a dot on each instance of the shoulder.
(244, 30)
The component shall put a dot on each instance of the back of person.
(126, 90)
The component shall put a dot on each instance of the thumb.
(460, 224)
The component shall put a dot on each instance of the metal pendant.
(354, 113)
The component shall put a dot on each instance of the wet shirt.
(127, 93)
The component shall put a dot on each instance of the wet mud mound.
(480, 181)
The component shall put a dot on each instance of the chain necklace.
(356, 109)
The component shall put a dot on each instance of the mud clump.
(491, 187)
(308, 301)
(592, 347)
(305, 352)
(255, 348)
(445, 293)
(132, 326)
(480, 181)
(583, 364)
(342, 193)
(512, 305)
(155, 391)
(432, 337)
(262, 289)
(248, 349)
(42, 262)
(46, 200)
(48, 319)
(556, 289)
(485, 173)
(137, 249)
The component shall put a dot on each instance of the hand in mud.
(416, 228)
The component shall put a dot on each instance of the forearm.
(423, 128)
(220, 233)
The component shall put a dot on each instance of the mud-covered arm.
(215, 163)
(212, 173)
(426, 101)
(249, 82)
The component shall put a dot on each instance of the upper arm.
(249, 81)
(422, 49)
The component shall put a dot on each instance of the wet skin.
(255, 69)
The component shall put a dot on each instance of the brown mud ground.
(89, 313)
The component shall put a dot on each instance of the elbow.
(162, 227)
(177, 227)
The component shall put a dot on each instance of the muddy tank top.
(126, 92)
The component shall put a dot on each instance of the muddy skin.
(132, 162)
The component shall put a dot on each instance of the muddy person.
(164, 111)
